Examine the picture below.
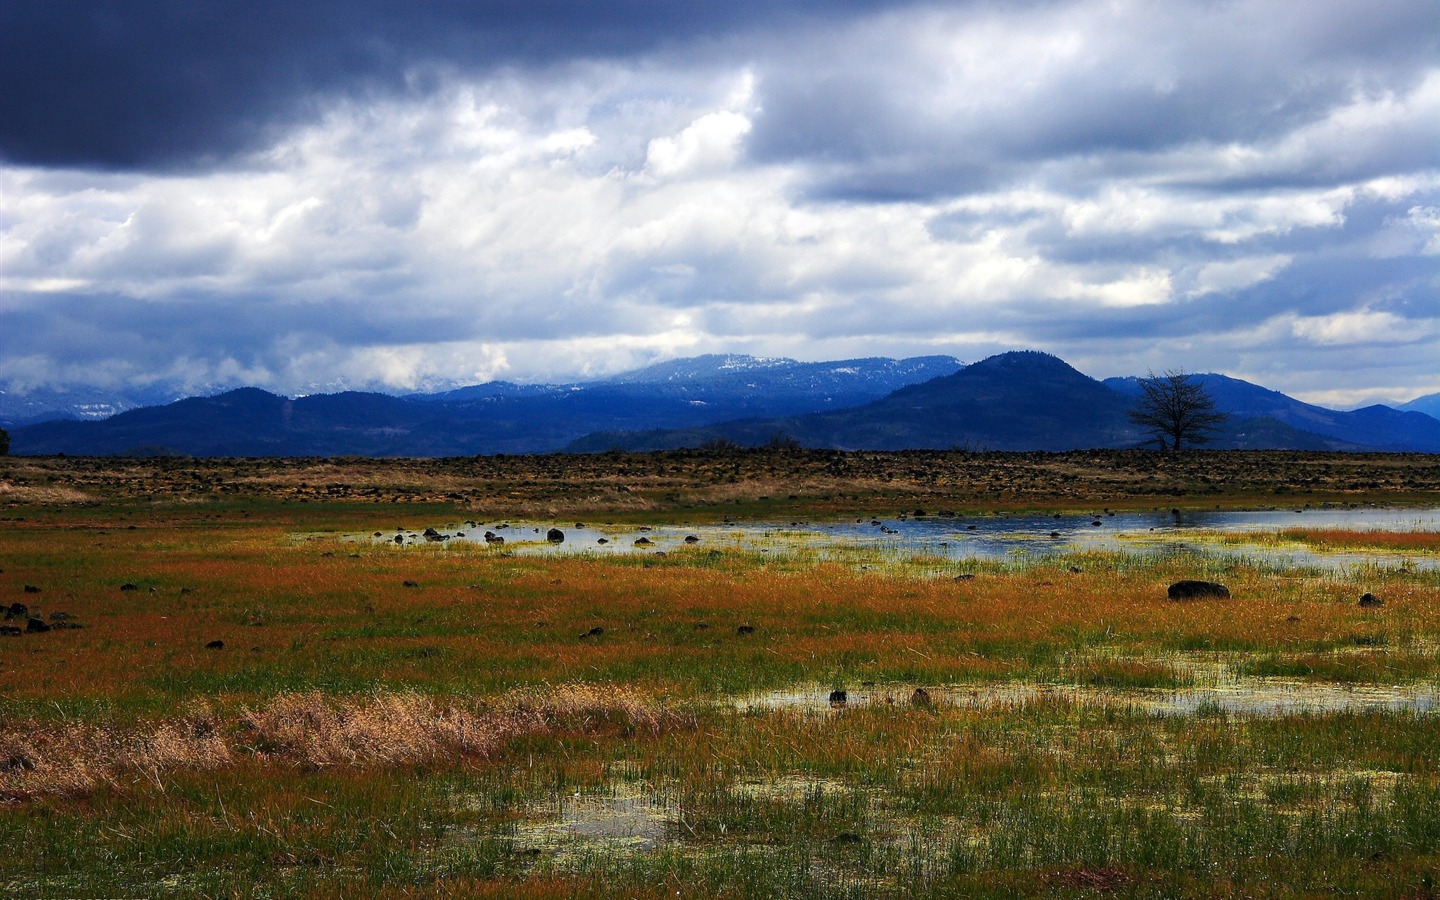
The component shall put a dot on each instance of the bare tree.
(1177, 410)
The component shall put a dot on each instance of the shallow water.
(627, 818)
(1260, 697)
(993, 537)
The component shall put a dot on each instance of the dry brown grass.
(311, 730)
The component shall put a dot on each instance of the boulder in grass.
(1198, 590)
(838, 698)
(36, 626)
(1369, 600)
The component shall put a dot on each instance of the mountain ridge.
(1020, 400)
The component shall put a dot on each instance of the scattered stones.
(1369, 600)
(921, 699)
(36, 626)
(215, 645)
(745, 629)
(837, 698)
(555, 536)
(1197, 590)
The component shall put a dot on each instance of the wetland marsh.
(265, 698)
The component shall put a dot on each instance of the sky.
(318, 195)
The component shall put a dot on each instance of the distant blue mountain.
(1373, 427)
(1022, 400)
(498, 417)
(1428, 404)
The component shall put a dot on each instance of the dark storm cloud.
(155, 83)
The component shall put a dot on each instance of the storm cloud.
(306, 196)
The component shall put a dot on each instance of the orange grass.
(385, 729)
(1344, 539)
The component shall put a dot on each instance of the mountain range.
(1022, 400)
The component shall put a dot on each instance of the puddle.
(625, 819)
(1262, 697)
(948, 538)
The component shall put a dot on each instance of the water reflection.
(993, 537)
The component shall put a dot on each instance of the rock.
(410, 584)
(921, 698)
(745, 629)
(965, 576)
(691, 539)
(603, 541)
(127, 586)
(555, 536)
(1197, 590)
(431, 534)
(1369, 600)
(594, 632)
(36, 626)
(59, 616)
(17, 611)
(493, 538)
(31, 589)
(701, 626)
(399, 538)
(1075, 570)
(1054, 534)
(215, 645)
(11, 630)
(643, 542)
(837, 698)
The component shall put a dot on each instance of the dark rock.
(921, 698)
(1075, 570)
(837, 698)
(215, 645)
(1197, 590)
(31, 589)
(691, 539)
(36, 626)
(1369, 600)
(399, 538)
(11, 630)
(17, 611)
(745, 629)
(602, 541)
(411, 584)
(701, 626)
(594, 632)
(1054, 534)
(59, 616)
(127, 586)
(493, 538)
(965, 576)
(431, 534)
(555, 536)
(643, 542)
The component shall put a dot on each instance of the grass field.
(447, 719)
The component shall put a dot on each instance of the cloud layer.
(326, 196)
